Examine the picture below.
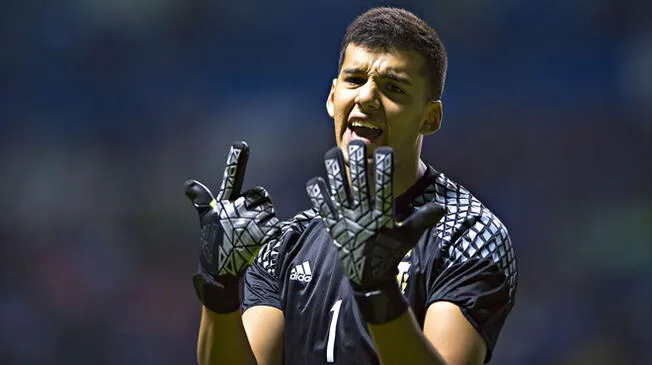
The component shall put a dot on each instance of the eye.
(355, 80)
(391, 87)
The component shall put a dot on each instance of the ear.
(433, 116)
(330, 108)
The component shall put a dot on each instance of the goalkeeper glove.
(369, 241)
(233, 227)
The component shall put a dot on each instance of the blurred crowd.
(107, 107)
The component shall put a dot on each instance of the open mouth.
(364, 130)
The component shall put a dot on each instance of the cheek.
(403, 131)
(340, 114)
(339, 104)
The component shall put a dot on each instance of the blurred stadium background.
(107, 107)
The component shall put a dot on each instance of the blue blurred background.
(107, 107)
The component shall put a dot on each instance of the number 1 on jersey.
(330, 344)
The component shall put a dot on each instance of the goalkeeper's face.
(381, 98)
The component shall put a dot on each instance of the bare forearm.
(222, 339)
(401, 341)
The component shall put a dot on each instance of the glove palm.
(370, 242)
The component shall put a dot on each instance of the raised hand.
(233, 226)
(370, 242)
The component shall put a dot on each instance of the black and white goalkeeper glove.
(369, 241)
(233, 227)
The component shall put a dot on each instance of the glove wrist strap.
(381, 305)
(221, 298)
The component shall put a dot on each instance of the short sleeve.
(261, 285)
(477, 273)
(261, 281)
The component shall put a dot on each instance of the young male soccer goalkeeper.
(395, 264)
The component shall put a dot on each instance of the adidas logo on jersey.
(301, 272)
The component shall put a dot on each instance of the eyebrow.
(388, 74)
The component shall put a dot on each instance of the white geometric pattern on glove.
(355, 221)
(243, 234)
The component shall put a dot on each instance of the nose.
(368, 97)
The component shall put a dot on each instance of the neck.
(406, 174)
(408, 168)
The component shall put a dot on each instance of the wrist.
(221, 296)
(381, 304)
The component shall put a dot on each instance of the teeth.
(364, 124)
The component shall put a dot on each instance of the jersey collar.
(404, 202)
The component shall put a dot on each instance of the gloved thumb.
(198, 194)
(423, 217)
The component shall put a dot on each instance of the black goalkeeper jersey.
(466, 259)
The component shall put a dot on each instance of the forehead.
(408, 63)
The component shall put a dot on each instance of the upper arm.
(451, 334)
(263, 317)
(264, 326)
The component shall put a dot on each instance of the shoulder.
(468, 230)
(268, 256)
(300, 221)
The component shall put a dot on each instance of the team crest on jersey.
(403, 271)
(301, 272)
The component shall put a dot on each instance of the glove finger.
(266, 218)
(424, 217)
(321, 201)
(358, 169)
(384, 194)
(234, 172)
(339, 184)
(257, 197)
(198, 194)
